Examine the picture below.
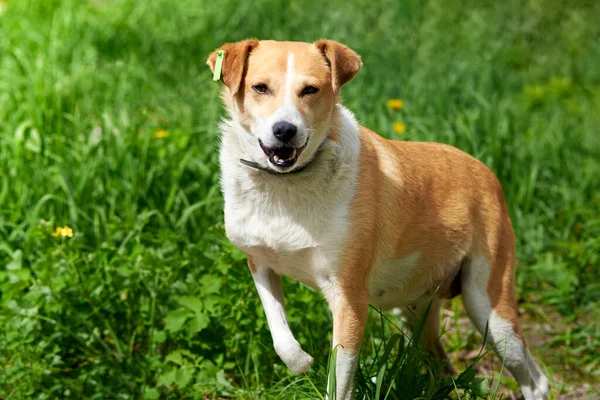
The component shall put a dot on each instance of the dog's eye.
(309, 90)
(261, 88)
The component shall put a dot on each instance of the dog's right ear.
(343, 61)
(234, 63)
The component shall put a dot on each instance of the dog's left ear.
(344, 62)
(234, 63)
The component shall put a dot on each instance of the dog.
(311, 194)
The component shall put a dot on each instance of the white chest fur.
(296, 224)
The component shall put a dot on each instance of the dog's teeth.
(293, 154)
(276, 158)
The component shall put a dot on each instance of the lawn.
(108, 121)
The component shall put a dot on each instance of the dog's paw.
(301, 363)
(541, 391)
(296, 359)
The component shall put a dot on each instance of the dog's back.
(429, 207)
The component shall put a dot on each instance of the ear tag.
(218, 65)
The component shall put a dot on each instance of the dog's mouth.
(284, 156)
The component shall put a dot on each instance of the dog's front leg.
(349, 304)
(268, 284)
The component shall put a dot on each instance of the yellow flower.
(395, 104)
(63, 232)
(399, 127)
(161, 134)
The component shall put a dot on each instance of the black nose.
(284, 131)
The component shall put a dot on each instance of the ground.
(567, 382)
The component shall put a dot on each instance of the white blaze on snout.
(286, 112)
(289, 81)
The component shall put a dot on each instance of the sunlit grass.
(108, 128)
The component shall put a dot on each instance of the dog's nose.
(284, 131)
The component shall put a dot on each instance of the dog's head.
(283, 94)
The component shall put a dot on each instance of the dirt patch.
(567, 382)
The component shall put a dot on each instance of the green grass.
(149, 300)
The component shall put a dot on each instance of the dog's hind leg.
(489, 299)
(268, 285)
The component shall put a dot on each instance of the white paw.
(541, 391)
(538, 392)
(296, 359)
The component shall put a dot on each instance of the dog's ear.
(234, 62)
(344, 62)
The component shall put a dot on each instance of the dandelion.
(63, 232)
(395, 104)
(161, 134)
(399, 127)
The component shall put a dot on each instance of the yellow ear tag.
(218, 65)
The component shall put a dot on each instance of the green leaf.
(151, 394)
(222, 380)
(480, 388)
(20, 275)
(466, 376)
(167, 378)
(34, 141)
(158, 336)
(17, 261)
(175, 319)
(30, 136)
(198, 323)
(386, 356)
(211, 304)
(237, 255)
(184, 376)
(223, 268)
(125, 271)
(175, 357)
(210, 284)
(192, 303)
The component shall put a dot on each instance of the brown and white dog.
(311, 194)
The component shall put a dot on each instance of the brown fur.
(344, 62)
(433, 199)
(251, 265)
(234, 62)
